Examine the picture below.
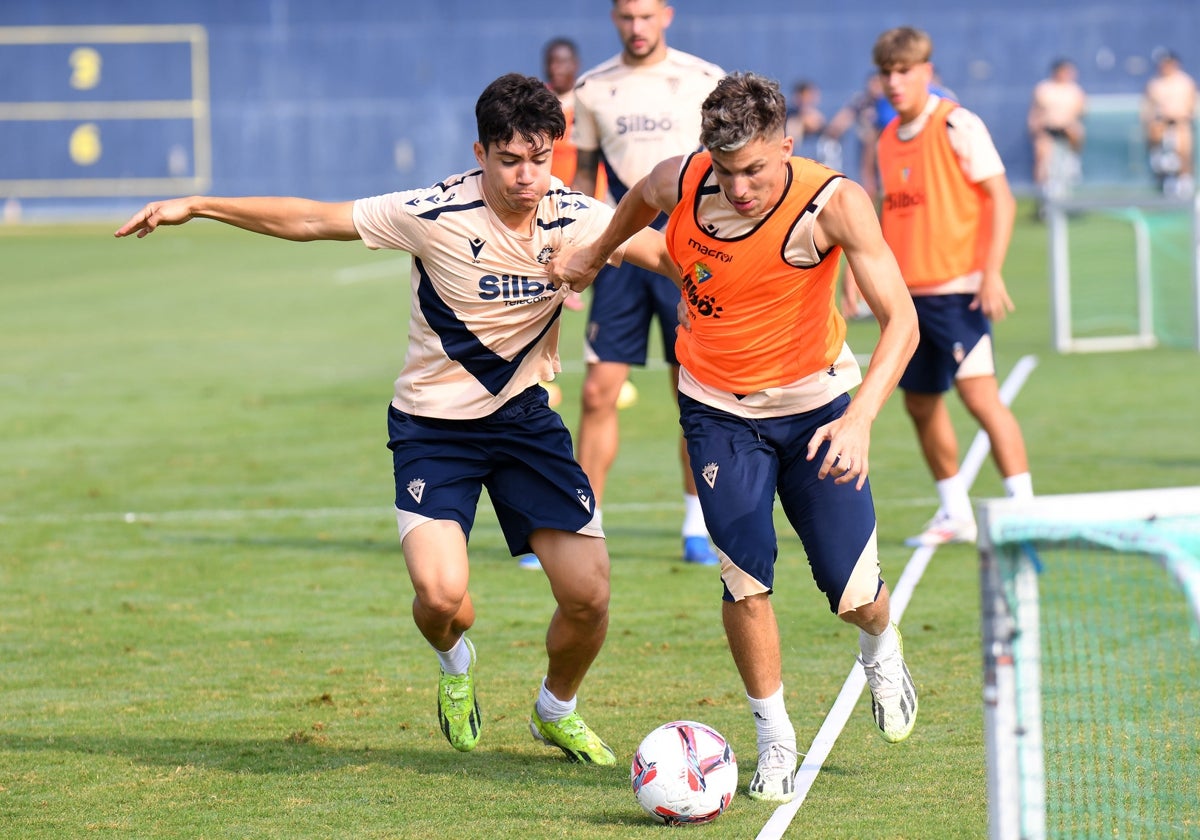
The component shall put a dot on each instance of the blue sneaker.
(530, 561)
(699, 552)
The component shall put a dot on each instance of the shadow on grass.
(302, 756)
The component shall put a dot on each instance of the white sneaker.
(893, 694)
(775, 778)
(943, 529)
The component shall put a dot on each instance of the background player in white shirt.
(483, 331)
(631, 111)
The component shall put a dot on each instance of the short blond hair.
(903, 46)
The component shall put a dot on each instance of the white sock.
(550, 707)
(693, 517)
(953, 497)
(772, 722)
(1019, 486)
(456, 660)
(875, 648)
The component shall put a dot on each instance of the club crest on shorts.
(416, 489)
(710, 474)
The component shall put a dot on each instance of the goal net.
(1091, 659)
(1124, 273)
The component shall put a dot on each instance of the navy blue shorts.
(950, 329)
(522, 454)
(740, 465)
(625, 299)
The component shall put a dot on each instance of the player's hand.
(993, 298)
(573, 267)
(144, 221)
(681, 312)
(846, 457)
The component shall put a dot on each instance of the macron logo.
(585, 499)
(476, 248)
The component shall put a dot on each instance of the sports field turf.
(205, 623)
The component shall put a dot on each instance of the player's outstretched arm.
(658, 191)
(849, 220)
(298, 219)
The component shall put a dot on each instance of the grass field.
(205, 623)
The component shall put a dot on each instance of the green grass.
(239, 660)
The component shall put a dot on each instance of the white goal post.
(1042, 756)
(1058, 214)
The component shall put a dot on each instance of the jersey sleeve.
(583, 130)
(973, 144)
(383, 221)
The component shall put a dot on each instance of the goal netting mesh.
(1125, 273)
(1091, 607)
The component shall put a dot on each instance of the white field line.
(852, 688)
(249, 514)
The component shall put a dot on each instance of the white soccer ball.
(684, 772)
(627, 396)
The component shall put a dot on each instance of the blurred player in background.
(1168, 117)
(764, 388)
(806, 122)
(859, 113)
(470, 377)
(1056, 118)
(560, 67)
(948, 216)
(632, 111)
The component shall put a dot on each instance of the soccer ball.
(684, 772)
(627, 396)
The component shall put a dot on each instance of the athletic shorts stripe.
(740, 465)
(522, 454)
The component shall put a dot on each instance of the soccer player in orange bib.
(947, 215)
(764, 387)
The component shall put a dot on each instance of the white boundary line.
(852, 688)
(248, 514)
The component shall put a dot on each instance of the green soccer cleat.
(458, 708)
(573, 737)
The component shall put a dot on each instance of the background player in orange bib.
(947, 215)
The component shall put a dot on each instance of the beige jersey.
(484, 319)
(637, 116)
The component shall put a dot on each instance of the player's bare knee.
(438, 604)
(599, 396)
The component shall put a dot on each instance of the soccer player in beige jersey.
(483, 331)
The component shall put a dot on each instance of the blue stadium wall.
(337, 100)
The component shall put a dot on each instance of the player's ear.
(789, 144)
(480, 153)
(668, 15)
